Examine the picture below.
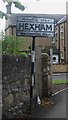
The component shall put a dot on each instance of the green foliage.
(11, 45)
(19, 5)
(60, 81)
(2, 14)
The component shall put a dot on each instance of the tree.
(9, 4)
(2, 14)
(16, 2)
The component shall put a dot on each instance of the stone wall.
(46, 76)
(15, 85)
(16, 77)
(60, 68)
(43, 76)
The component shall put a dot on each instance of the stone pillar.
(38, 78)
(44, 75)
(43, 78)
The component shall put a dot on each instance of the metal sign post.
(32, 72)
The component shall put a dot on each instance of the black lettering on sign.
(26, 26)
(21, 26)
(31, 26)
(37, 26)
(49, 27)
(34, 26)
(42, 27)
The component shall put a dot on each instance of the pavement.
(58, 110)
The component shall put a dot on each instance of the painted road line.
(59, 91)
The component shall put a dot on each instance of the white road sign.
(34, 26)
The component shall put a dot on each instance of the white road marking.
(59, 91)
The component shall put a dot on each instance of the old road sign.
(35, 25)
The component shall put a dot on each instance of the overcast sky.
(39, 6)
(43, 6)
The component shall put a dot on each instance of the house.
(61, 39)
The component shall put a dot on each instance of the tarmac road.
(60, 76)
(58, 110)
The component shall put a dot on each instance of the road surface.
(59, 76)
(58, 110)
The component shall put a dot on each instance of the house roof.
(62, 20)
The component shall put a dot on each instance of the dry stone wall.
(15, 85)
(16, 79)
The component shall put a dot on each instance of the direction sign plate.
(34, 26)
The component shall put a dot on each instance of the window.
(56, 30)
(62, 35)
(61, 29)
(62, 38)
(62, 54)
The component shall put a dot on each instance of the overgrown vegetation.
(11, 45)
